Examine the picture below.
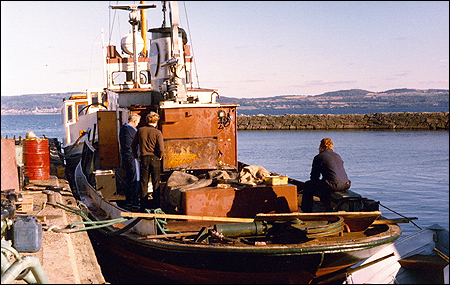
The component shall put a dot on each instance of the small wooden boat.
(271, 247)
(420, 258)
(218, 228)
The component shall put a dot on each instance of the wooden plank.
(355, 221)
(115, 198)
(266, 217)
(187, 217)
(441, 254)
(169, 235)
(290, 216)
(393, 221)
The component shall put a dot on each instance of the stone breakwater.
(376, 121)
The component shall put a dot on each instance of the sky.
(242, 49)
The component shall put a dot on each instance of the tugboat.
(214, 227)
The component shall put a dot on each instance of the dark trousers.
(321, 189)
(314, 188)
(132, 186)
(150, 166)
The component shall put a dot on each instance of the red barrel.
(36, 158)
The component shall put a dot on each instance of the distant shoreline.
(266, 112)
(28, 113)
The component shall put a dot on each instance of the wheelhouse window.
(94, 98)
(105, 98)
(69, 113)
(81, 110)
(122, 77)
(126, 77)
(188, 77)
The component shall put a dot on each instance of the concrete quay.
(67, 258)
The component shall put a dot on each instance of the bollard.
(51, 197)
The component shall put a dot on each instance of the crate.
(276, 180)
(26, 205)
(105, 181)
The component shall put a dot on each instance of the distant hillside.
(25, 104)
(353, 98)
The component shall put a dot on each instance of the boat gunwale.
(277, 249)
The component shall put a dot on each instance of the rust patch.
(199, 153)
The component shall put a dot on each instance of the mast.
(144, 29)
(134, 20)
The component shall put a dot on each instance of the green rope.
(69, 209)
(91, 225)
(161, 223)
(98, 225)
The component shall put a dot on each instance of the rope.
(92, 225)
(161, 223)
(409, 220)
(89, 225)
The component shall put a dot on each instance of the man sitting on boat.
(151, 146)
(334, 178)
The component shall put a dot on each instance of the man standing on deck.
(334, 178)
(129, 163)
(151, 146)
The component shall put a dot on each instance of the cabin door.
(108, 139)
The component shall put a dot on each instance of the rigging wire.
(400, 215)
(90, 63)
(192, 44)
(111, 26)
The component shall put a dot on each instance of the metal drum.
(36, 157)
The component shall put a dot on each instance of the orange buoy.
(36, 157)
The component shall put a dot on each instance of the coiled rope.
(161, 223)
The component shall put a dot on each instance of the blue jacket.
(330, 165)
(126, 135)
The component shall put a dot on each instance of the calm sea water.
(18, 125)
(406, 171)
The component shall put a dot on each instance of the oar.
(290, 216)
(441, 254)
(393, 221)
(187, 217)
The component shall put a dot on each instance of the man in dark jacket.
(151, 146)
(129, 163)
(334, 178)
